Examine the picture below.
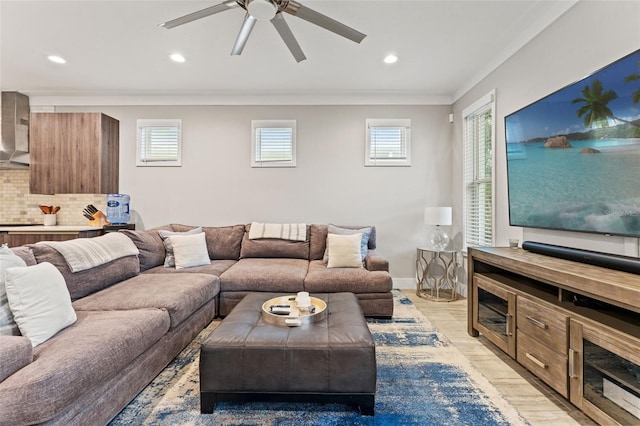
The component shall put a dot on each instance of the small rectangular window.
(159, 142)
(388, 142)
(273, 143)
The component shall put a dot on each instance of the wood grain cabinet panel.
(545, 324)
(74, 153)
(17, 239)
(589, 350)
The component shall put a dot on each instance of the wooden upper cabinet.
(74, 153)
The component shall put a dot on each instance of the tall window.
(273, 143)
(479, 141)
(388, 142)
(159, 143)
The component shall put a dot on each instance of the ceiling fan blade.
(229, 4)
(296, 9)
(288, 37)
(243, 35)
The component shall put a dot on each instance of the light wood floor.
(538, 403)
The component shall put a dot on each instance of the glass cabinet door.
(605, 374)
(495, 313)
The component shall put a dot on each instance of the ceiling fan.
(271, 10)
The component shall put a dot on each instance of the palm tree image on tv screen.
(573, 157)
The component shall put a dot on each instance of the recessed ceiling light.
(390, 59)
(56, 59)
(177, 57)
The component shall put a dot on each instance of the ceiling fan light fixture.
(263, 10)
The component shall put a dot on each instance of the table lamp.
(438, 216)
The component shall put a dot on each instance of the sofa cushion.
(15, 353)
(150, 247)
(95, 348)
(25, 253)
(180, 295)
(355, 280)
(216, 267)
(273, 247)
(8, 259)
(318, 239)
(86, 282)
(281, 275)
(223, 242)
(39, 300)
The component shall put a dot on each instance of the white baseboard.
(404, 283)
(410, 284)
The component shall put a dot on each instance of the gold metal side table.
(437, 274)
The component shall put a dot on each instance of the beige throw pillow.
(344, 251)
(190, 250)
(169, 259)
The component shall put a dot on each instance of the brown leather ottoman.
(246, 359)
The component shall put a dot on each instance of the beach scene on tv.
(573, 157)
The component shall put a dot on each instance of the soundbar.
(611, 261)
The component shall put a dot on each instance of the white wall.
(586, 38)
(216, 185)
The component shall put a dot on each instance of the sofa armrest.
(15, 353)
(375, 262)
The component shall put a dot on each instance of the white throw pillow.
(169, 259)
(190, 250)
(8, 259)
(344, 251)
(40, 301)
(364, 243)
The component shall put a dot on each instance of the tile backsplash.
(18, 206)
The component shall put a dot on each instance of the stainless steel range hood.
(14, 149)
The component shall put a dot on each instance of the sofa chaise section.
(94, 349)
(129, 327)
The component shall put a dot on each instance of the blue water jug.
(118, 208)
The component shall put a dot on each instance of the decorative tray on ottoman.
(283, 311)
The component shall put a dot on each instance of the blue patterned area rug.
(422, 380)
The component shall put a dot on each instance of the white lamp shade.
(437, 216)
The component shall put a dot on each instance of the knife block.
(99, 219)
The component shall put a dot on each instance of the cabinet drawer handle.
(536, 361)
(537, 322)
(508, 325)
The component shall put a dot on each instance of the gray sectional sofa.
(134, 315)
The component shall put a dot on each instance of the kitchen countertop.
(41, 229)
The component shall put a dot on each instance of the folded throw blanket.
(282, 231)
(85, 253)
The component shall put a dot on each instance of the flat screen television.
(573, 157)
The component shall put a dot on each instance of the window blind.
(388, 142)
(478, 176)
(273, 143)
(158, 142)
